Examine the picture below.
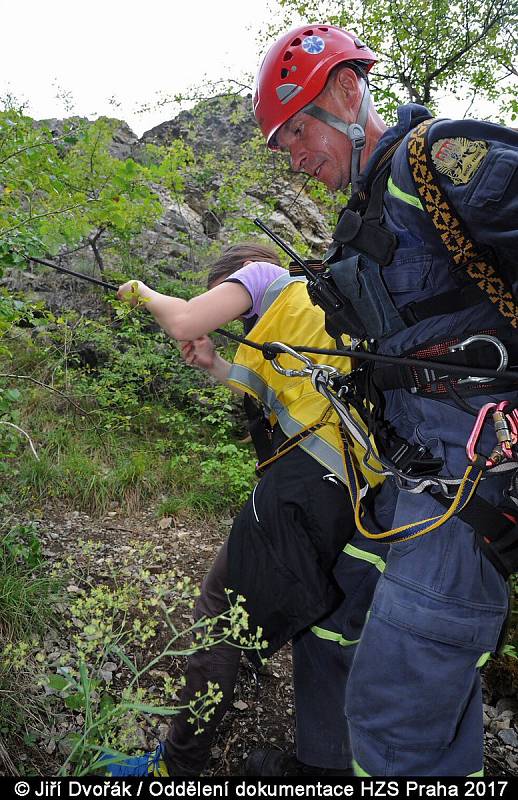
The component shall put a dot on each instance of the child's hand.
(134, 292)
(200, 352)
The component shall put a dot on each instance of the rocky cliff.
(189, 227)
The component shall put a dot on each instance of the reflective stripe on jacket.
(287, 315)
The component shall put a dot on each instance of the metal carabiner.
(477, 430)
(506, 428)
(310, 366)
(292, 373)
(482, 337)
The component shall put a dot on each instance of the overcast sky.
(131, 51)
(63, 57)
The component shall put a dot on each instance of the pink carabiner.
(477, 429)
(512, 425)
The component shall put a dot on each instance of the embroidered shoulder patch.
(458, 158)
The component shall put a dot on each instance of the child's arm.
(190, 319)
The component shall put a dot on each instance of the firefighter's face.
(317, 149)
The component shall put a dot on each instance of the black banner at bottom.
(255, 788)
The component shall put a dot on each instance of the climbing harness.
(460, 491)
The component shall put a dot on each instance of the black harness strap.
(496, 533)
(436, 382)
(446, 303)
(365, 233)
(360, 222)
(259, 428)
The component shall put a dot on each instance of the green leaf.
(76, 701)
(107, 704)
(59, 683)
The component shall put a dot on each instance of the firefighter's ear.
(346, 81)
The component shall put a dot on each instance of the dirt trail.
(263, 713)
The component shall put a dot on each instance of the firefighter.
(424, 257)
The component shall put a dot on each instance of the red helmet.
(295, 70)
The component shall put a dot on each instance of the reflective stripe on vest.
(287, 315)
(411, 199)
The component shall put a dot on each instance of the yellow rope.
(436, 522)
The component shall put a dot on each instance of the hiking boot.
(150, 765)
(276, 762)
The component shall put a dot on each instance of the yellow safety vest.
(287, 315)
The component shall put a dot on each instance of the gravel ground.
(263, 713)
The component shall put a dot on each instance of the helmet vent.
(284, 72)
(287, 92)
(296, 42)
(287, 55)
(308, 33)
(324, 29)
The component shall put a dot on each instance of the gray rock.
(497, 725)
(124, 142)
(216, 125)
(163, 730)
(509, 737)
(489, 710)
(506, 704)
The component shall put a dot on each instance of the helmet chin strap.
(355, 131)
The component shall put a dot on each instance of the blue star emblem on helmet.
(313, 45)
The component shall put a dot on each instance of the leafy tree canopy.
(427, 48)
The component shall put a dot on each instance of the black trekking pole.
(79, 275)
(271, 349)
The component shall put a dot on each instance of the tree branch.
(463, 50)
(20, 430)
(46, 386)
(31, 218)
(33, 146)
(58, 392)
(97, 254)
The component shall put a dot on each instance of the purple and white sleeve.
(256, 278)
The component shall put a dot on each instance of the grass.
(27, 599)
(151, 431)
(26, 591)
(185, 471)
